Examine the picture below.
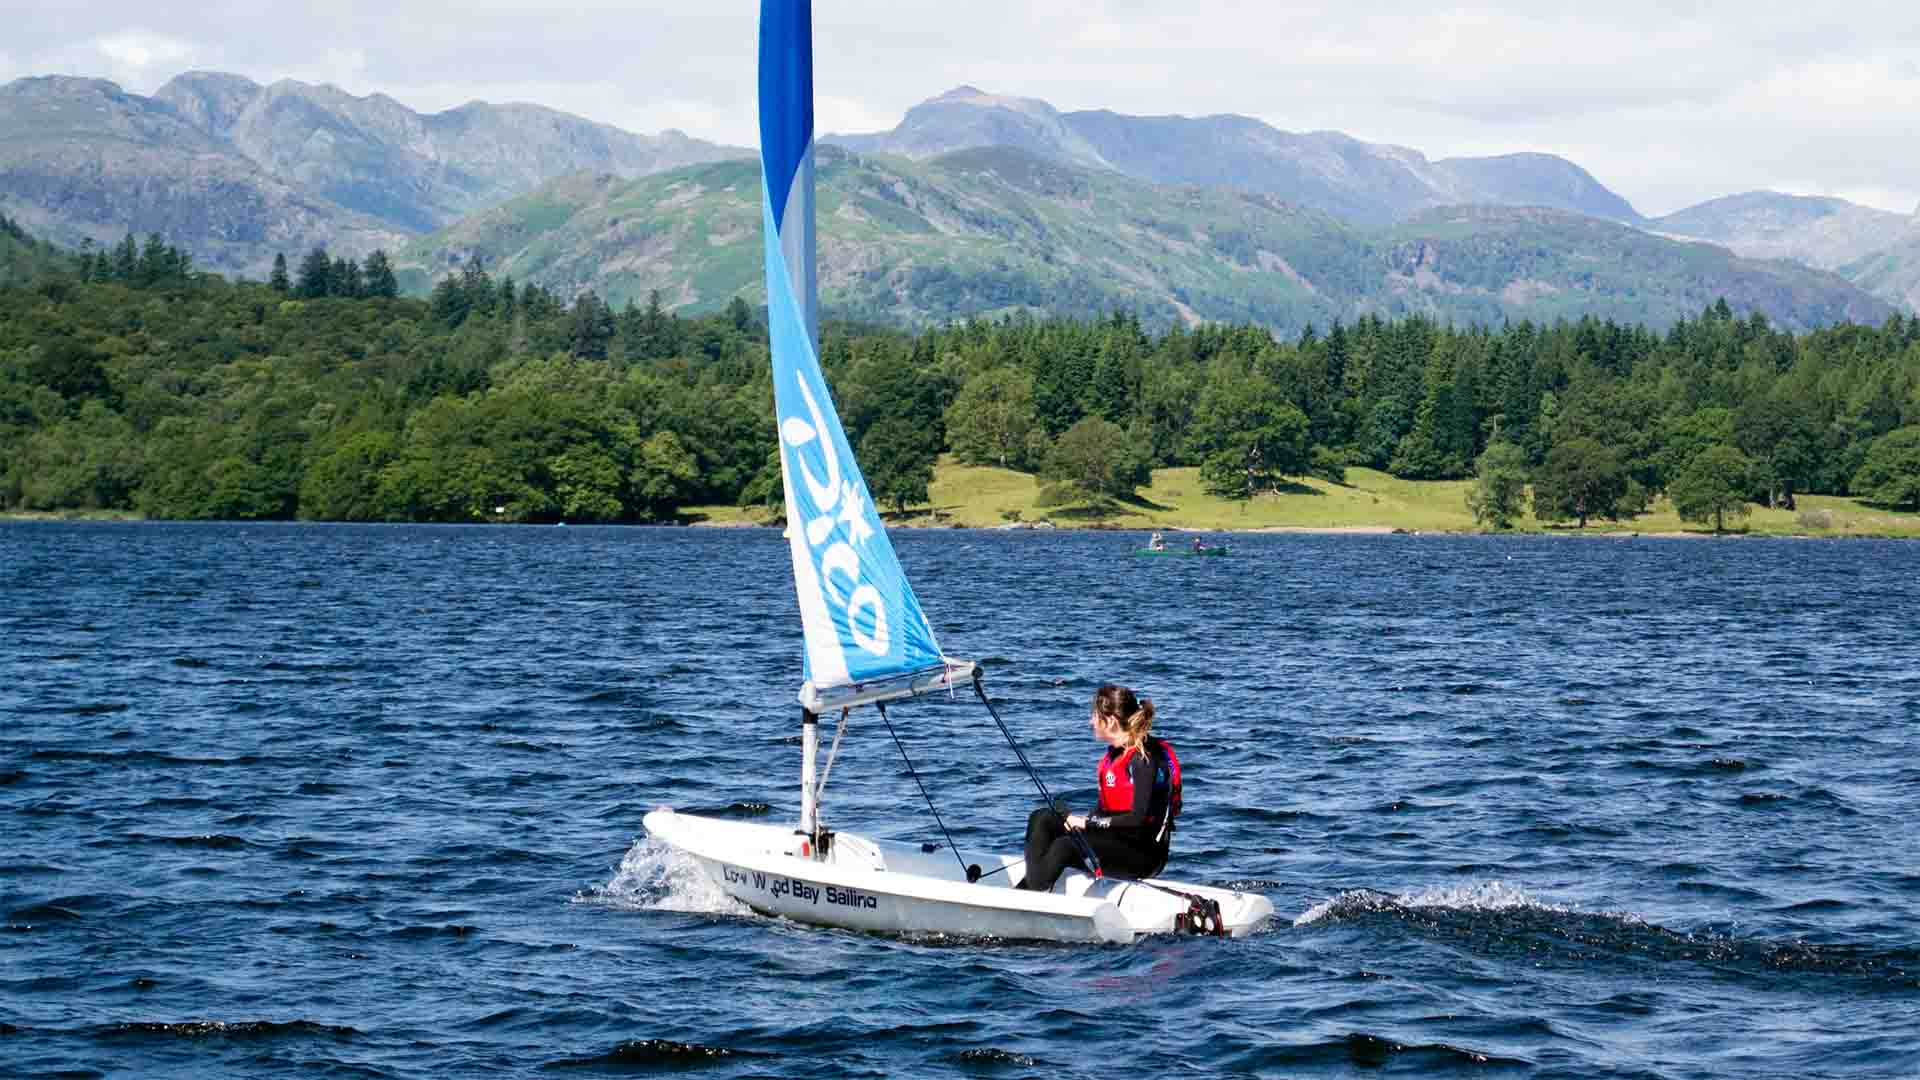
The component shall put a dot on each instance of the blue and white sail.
(866, 637)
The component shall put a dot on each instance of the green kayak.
(1209, 551)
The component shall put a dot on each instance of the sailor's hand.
(1076, 821)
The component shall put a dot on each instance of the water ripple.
(365, 801)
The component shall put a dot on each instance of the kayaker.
(1139, 780)
(1156, 544)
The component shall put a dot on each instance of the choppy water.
(365, 801)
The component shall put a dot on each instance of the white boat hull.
(898, 888)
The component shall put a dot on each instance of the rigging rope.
(923, 789)
(820, 789)
(1086, 849)
(980, 689)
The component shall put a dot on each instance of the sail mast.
(786, 153)
(866, 637)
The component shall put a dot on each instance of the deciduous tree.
(1246, 435)
(1095, 456)
(1498, 493)
(1891, 473)
(992, 421)
(1580, 479)
(897, 459)
(1713, 487)
(663, 473)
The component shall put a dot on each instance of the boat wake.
(1482, 896)
(1495, 919)
(655, 877)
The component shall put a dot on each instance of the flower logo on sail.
(865, 610)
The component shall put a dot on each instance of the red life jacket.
(1116, 785)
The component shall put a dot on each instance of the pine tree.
(316, 276)
(380, 280)
(449, 302)
(478, 287)
(277, 281)
(514, 314)
(658, 336)
(592, 327)
(126, 261)
(154, 263)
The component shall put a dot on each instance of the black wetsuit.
(1128, 844)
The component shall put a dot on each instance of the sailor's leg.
(1125, 855)
(1043, 828)
(1043, 871)
(1049, 850)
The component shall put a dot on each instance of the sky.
(1667, 102)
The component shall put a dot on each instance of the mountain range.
(990, 230)
(1380, 184)
(1365, 183)
(970, 187)
(236, 172)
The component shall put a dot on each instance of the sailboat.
(867, 642)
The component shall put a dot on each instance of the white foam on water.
(653, 876)
(1322, 909)
(1480, 896)
(1475, 896)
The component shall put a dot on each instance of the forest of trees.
(132, 382)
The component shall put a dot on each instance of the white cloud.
(1667, 104)
(141, 49)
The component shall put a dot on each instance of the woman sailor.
(1139, 798)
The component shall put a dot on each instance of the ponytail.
(1133, 715)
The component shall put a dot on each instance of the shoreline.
(1591, 532)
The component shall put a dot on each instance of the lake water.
(307, 800)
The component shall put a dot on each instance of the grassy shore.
(1369, 501)
(981, 497)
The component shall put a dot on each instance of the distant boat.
(867, 641)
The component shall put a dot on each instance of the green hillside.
(23, 257)
(995, 230)
(1556, 265)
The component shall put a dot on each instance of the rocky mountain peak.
(966, 117)
(209, 100)
(62, 86)
(64, 107)
(974, 97)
